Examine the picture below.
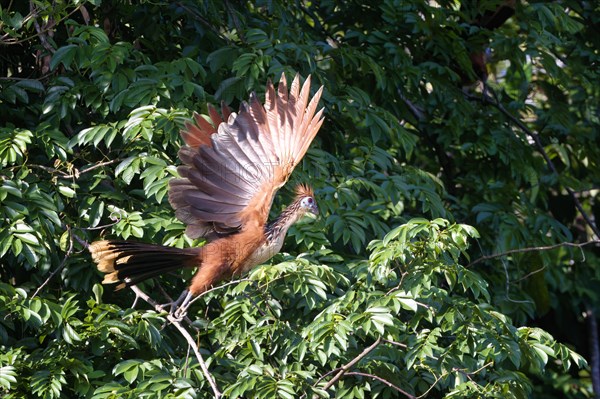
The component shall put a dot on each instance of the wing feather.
(233, 164)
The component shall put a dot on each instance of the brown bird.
(230, 172)
(480, 55)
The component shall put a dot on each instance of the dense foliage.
(449, 260)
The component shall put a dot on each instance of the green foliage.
(419, 179)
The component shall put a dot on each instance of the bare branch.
(190, 340)
(444, 374)
(532, 249)
(96, 166)
(386, 382)
(400, 344)
(344, 369)
(104, 226)
(232, 282)
(416, 111)
(525, 277)
(59, 268)
(76, 173)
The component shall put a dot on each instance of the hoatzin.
(230, 172)
(489, 19)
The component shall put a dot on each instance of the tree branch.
(218, 287)
(531, 249)
(190, 340)
(344, 369)
(59, 268)
(386, 382)
(76, 172)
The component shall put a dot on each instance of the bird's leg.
(184, 301)
(174, 304)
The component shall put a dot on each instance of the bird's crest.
(304, 190)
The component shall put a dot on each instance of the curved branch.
(531, 249)
(386, 382)
(62, 264)
(344, 369)
(190, 340)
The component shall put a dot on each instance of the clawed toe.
(178, 309)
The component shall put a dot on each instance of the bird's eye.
(310, 200)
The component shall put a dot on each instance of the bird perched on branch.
(489, 19)
(231, 169)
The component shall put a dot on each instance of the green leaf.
(63, 55)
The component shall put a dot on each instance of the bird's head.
(306, 200)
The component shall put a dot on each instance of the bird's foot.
(181, 311)
(178, 308)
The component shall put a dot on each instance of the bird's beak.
(314, 209)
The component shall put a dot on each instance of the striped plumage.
(231, 169)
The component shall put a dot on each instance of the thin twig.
(438, 379)
(532, 249)
(59, 268)
(400, 344)
(507, 285)
(104, 226)
(444, 374)
(218, 287)
(416, 111)
(525, 277)
(77, 173)
(386, 382)
(96, 166)
(190, 340)
(341, 370)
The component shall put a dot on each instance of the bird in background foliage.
(231, 169)
(489, 19)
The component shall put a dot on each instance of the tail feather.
(129, 262)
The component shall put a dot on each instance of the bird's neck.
(284, 221)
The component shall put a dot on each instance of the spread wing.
(232, 168)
